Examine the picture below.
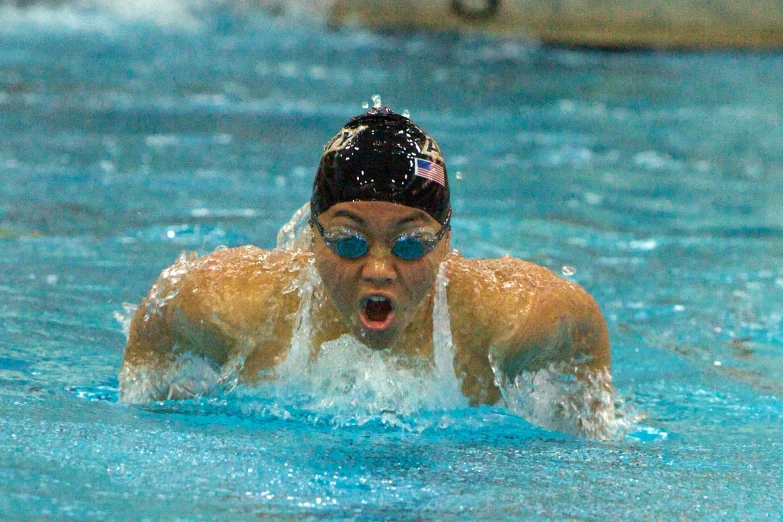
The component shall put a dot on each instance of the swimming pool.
(656, 177)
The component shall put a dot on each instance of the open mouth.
(376, 312)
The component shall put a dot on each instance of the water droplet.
(568, 270)
(406, 113)
(365, 105)
(458, 174)
(376, 101)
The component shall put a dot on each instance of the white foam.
(351, 384)
(190, 376)
(167, 285)
(556, 400)
(297, 233)
(125, 317)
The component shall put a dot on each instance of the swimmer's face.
(379, 292)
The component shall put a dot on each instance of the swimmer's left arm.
(560, 324)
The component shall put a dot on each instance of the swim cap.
(383, 156)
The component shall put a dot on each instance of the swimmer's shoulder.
(497, 293)
(525, 306)
(247, 264)
(213, 304)
(241, 284)
(508, 276)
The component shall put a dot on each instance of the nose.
(379, 268)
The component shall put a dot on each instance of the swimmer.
(380, 219)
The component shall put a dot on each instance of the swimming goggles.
(350, 244)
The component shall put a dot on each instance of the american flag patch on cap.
(430, 170)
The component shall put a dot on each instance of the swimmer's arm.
(161, 332)
(150, 339)
(227, 305)
(157, 337)
(562, 327)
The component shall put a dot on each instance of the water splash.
(188, 377)
(376, 101)
(125, 317)
(308, 284)
(349, 384)
(443, 342)
(167, 285)
(297, 233)
(557, 400)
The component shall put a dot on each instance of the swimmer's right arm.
(159, 336)
(226, 305)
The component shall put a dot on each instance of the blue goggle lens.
(351, 247)
(410, 248)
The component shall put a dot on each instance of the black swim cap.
(383, 156)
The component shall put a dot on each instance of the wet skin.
(239, 303)
(351, 283)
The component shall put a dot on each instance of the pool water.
(652, 179)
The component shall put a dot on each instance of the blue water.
(131, 135)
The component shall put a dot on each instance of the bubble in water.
(365, 105)
(568, 270)
(406, 113)
(376, 101)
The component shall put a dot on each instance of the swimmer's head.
(383, 156)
